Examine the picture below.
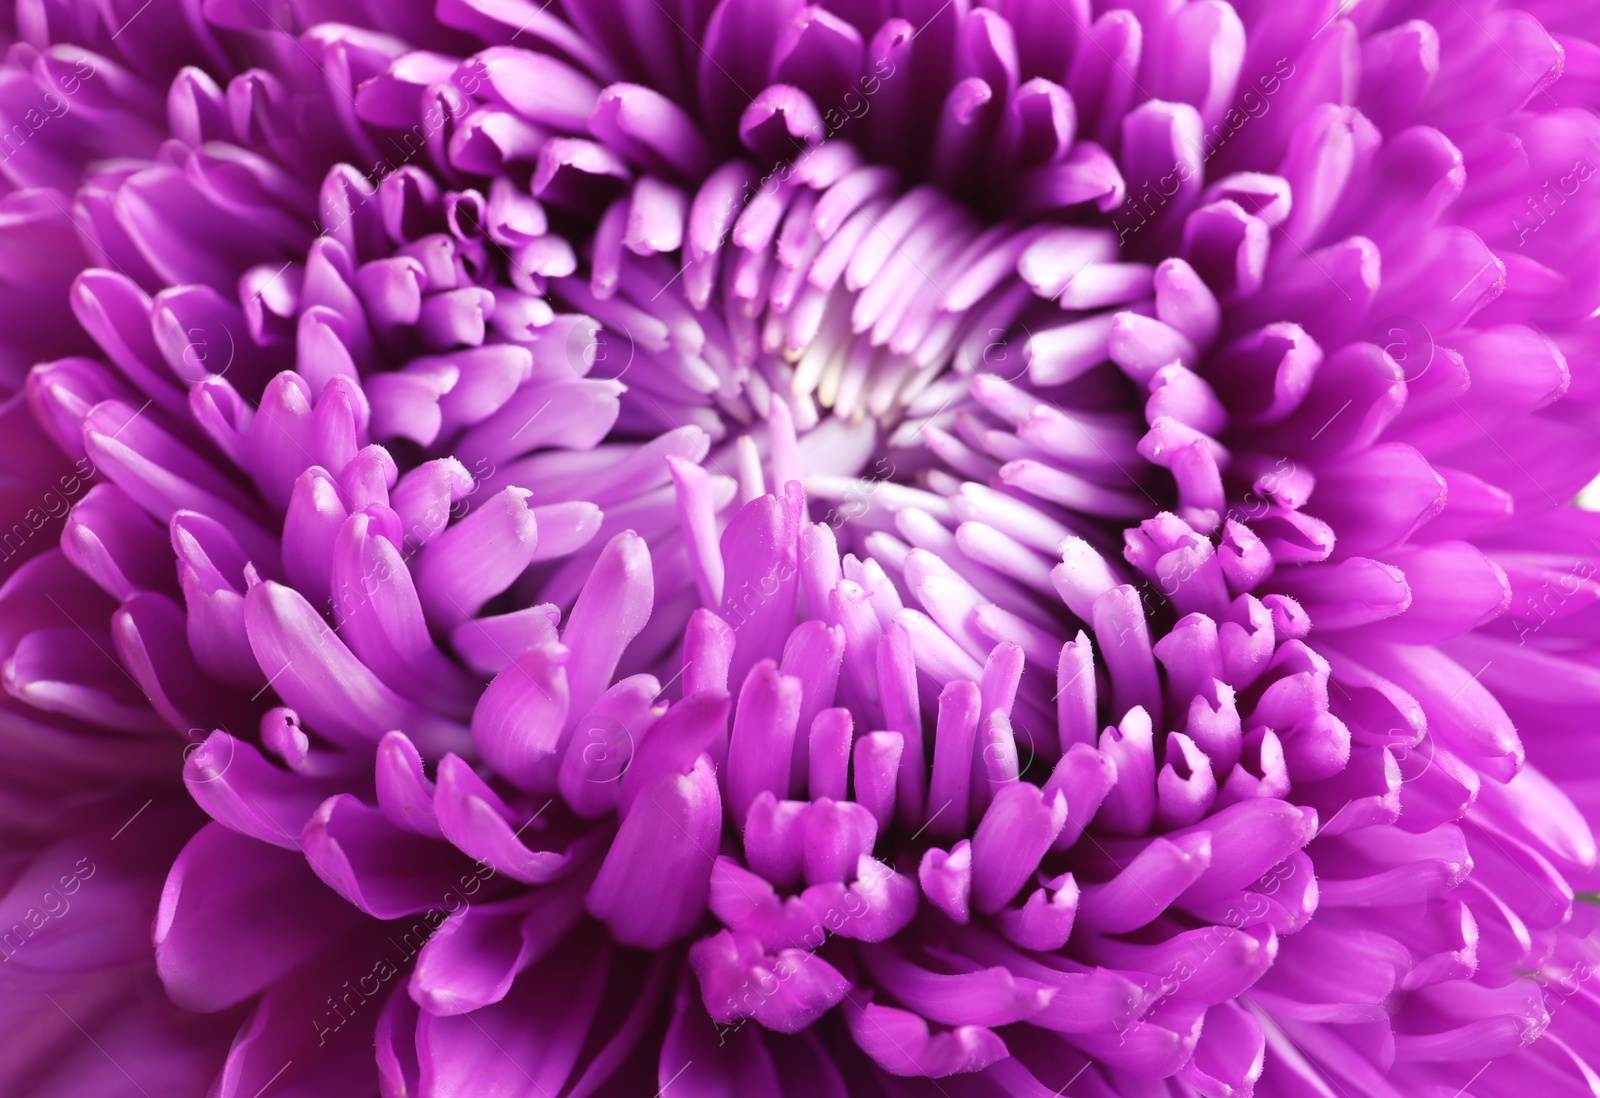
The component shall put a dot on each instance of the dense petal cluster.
(880, 548)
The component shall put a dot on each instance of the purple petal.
(654, 881)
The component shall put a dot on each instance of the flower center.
(894, 327)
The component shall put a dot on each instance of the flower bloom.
(751, 548)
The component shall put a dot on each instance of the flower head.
(758, 548)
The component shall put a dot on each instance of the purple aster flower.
(870, 549)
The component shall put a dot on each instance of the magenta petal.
(953, 752)
(422, 498)
(759, 549)
(240, 789)
(395, 1044)
(150, 637)
(877, 765)
(602, 745)
(1123, 639)
(316, 514)
(528, 1040)
(477, 558)
(519, 720)
(1013, 835)
(1044, 922)
(1130, 803)
(897, 677)
(406, 405)
(292, 1038)
(699, 1057)
(733, 968)
(1247, 839)
(1461, 711)
(946, 879)
(1454, 589)
(115, 311)
(113, 540)
(80, 906)
(1357, 591)
(762, 743)
(1232, 961)
(492, 643)
(876, 906)
(221, 879)
(610, 612)
(376, 606)
(1156, 1045)
(540, 87)
(774, 838)
(63, 670)
(835, 836)
(988, 997)
(653, 884)
(1145, 886)
(647, 123)
(404, 793)
(900, 1043)
(747, 903)
(812, 654)
(145, 462)
(829, 748)
(314, 672)
(377, 867)
(673, 745)
(475, 820)
(474, 955)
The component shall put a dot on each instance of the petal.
(1144, 888)
(475, 820)
(223, 881)
(761, 747)
(404, 793)
(477, 558)
(476, 954)
(611, 610)
(380, 615)
(379, 868)
(1017, 830)
(900, 1043)
(529, 1042)
(313, 671)
(988, 997)
(518, 723)
(241, 790)
(655, 879)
